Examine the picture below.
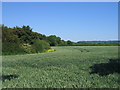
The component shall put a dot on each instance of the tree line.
(20, 40)
(23, 40)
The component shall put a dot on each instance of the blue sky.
(74, 21)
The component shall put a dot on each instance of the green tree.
(54, 40)
(70, 43)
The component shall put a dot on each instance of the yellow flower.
(50, 50)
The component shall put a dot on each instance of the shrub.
(50, 50)
(11, 48)
(40, 45)
(27, 48)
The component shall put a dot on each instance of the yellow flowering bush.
(50, 50)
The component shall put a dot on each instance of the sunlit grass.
(67, 67)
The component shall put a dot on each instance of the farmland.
(67, 67)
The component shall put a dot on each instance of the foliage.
(11, 48)
(21, 40)
(27, 48)
(98, 43)
(50, 50)
(40, 45)
(67, 67)
(70, 43)
(25, 39)
(53, 40)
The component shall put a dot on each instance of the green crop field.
(67, 67)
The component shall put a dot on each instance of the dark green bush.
(11, 48)
(40, 45)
